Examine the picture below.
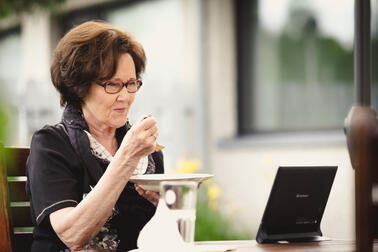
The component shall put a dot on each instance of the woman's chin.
(119, 123)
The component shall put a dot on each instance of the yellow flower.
(213, 205)
(189, 165)
(213, 192)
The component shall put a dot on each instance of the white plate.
(152, 181)
(202, 248)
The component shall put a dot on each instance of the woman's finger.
(148, 123)
(139, 189)
(144, 117)
(151, 196)
(151, 131)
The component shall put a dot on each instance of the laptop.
(296, 204)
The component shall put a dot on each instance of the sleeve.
(53, 173)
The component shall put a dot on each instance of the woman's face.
(101, 108)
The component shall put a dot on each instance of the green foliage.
(2, 123)
(292, 58)
(8, 7)
(211, 225)
(2, 132)
(306, 54)
(333, 61)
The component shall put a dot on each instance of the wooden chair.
(16, 226)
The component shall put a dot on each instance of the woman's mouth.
(120, 110)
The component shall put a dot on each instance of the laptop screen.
(296, 203)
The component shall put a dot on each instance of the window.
(295, 64)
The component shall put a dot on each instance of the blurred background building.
(243, 86)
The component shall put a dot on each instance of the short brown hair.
(89, 52)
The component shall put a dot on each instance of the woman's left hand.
(151, 196)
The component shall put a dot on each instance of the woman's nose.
(124, 95)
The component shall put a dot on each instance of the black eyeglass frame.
(124, 84)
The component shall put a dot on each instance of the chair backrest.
(16, 226)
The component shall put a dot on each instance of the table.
(253, 246)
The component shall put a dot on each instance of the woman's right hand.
(140, 140)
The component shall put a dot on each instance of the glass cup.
(180, 198)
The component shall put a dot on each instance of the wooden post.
(361, 128)
(5, 229)
(361, 133)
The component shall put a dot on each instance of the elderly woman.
(78, 170)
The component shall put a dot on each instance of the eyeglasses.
(113, 87)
